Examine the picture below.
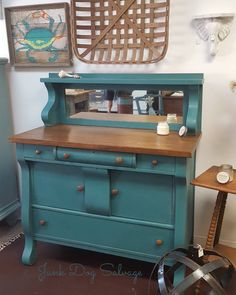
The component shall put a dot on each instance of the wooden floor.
(64, 270)
(228, 252)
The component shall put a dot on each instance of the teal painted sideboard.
(9, 200)
(108, 182)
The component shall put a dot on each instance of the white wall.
(186, 53)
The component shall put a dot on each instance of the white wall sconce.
(213, 28)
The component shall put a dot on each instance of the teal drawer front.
(39, 152)
(156, 163)
(59, 186)
(101, 233)
(96, 157)
(143, 196)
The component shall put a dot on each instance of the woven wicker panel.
(120, 31)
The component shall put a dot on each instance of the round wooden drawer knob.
(80, 188)
(66, 156)
(42, 222)
(154, 162)
(114, 192)
(119, 160)
(159, 242)
(38, 152)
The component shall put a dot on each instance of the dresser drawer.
(156, 163)
(97, 157)
(39, 152)
(106, 234)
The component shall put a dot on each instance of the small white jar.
(163, 128)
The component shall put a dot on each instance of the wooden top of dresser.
(139, 141)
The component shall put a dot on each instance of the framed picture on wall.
(39, 35)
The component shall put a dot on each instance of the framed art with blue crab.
(39, 35)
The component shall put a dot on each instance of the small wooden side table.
(208, 180)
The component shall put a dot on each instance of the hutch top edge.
(130, 79)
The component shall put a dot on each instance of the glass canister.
(163, 128)
(171, 118)
(225, 173)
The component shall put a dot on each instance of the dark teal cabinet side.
(9, 193)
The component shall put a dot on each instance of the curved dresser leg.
(29, 253)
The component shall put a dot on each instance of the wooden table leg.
(214, 229)
(216, 220)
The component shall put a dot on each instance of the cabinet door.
(59, 186)
(143, 196)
